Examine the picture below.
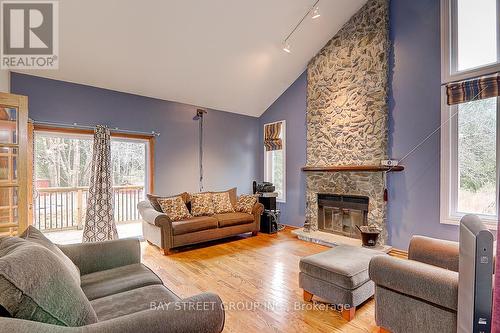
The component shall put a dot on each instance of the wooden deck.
(71, 236)
(257, 278)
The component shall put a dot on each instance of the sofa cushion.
(117, 280)
(202, 204)
(133, 301)
(32, 234)
(36, 285)
(245, 203)
(232, 195)
(175, 208)
(344, 266)
(230, 219)
(153, 199)
(222, 203)
(193, 224)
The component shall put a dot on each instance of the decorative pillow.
(32, 234)
(222, 203)
(232, 195)
(153, 199)
(245, 203)
(36, 285)
(202, 204)
(175, 208)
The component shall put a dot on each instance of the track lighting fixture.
(286, 47)
(314, 11)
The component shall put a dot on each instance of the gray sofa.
(160, 231)
(125, 295)
(419, 294)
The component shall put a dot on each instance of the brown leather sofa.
(160, 231)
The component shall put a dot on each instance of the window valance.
(272, 136)
(478, 88)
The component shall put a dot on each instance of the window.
(275, 157)
(469, 135)
(62, 170)
(470, 37)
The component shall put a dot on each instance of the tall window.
(275, 158)
(470, 38)
(469, 136)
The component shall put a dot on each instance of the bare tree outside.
(66, 161)
(477, 156)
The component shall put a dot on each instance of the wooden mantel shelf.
(346, 168)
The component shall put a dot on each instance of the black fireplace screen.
(340, 214)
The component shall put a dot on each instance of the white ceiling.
(219, 54)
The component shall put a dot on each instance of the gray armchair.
(419, 294)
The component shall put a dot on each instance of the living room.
(189, 166)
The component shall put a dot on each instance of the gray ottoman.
(340, 276)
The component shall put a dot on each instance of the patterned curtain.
(99, 219)
(272, 140)
(479, 88)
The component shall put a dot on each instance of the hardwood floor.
(257, 278)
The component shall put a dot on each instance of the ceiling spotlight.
(315, 13)
(286, 47)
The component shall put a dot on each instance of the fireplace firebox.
(340, 214)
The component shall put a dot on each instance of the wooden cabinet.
(13, 163)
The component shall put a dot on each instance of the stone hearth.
(331, 240)
(347, 112)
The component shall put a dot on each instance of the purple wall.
(290, 106)
(414, 106)
(231, 140)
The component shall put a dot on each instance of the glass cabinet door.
(13, 166)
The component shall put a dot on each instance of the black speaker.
(268, 224)
(268, 202)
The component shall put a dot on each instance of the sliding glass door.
(62, 163)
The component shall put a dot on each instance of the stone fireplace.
(347, 119)
(341, 214)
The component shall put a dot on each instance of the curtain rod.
(87, 127)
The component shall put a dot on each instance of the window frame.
(449, 41)
(267, 158)
(148, 181)
(449, 166)
(449, 119)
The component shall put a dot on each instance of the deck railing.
(58, 208)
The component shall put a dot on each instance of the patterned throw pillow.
(222, 203)
(174, 208)
(202, 204)
(153, 199)
(232, 195)
(245, 203)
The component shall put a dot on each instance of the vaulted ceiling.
(220, 54)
